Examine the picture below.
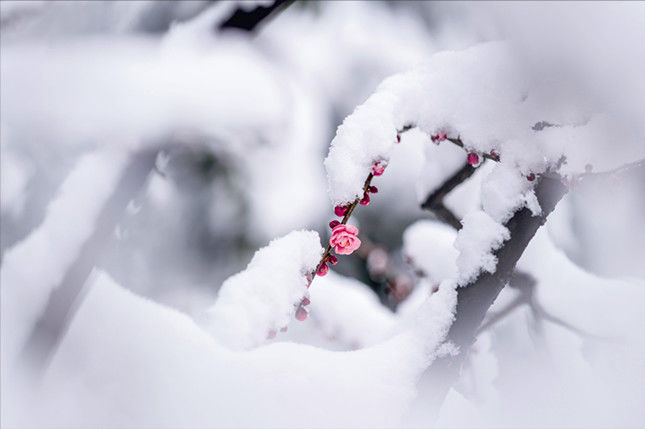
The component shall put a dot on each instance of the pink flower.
(378, 168)
(344, 239)
(301, 313)
(439, 137)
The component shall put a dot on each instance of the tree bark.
(247, 20)
(474, 300)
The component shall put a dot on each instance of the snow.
(480, 96)
(468, 195)
(264, 106)
(476, 241)
(589, 380)
(37, 264)
(505, 190)
(477, 94)
(371, 131)
(151, 348)
(345, 310)
(441, 161)
(13, 182)
(425, 97)
(429, 244)
(166, 89)
(265, 296)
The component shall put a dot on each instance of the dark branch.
(248, 20)
(474, 300)
(434, 202)
(455, 180)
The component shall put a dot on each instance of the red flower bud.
(324, 269)
(301, 314)
(473, 158)
(365, 200)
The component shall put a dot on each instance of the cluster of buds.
(329, 259)
(366, 195)
(344, 238)
(439, 137)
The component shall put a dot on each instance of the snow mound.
(264, 296)
(348, 311)
(429, 246)
(33, 267)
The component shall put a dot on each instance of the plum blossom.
(344, 239)
(379, 168)
(439, 137)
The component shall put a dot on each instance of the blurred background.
(246, 120)
(238, 121)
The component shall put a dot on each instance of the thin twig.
(434, 201)
(350, 210)
(456, 141)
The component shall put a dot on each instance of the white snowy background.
(188, 316)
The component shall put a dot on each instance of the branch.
(474, 300)
(434, 201)
(64, 299)
(248, 20)
(350, 210)
(526, 285)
